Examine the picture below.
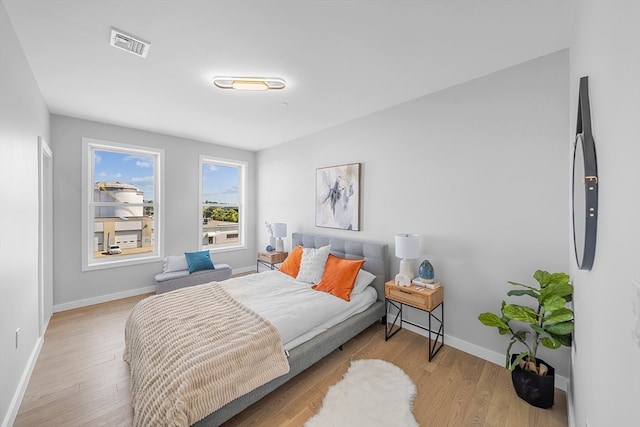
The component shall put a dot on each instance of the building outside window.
(222, 192)
(122, 200)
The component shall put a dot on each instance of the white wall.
(479, 170)
(72, 286)
(606, 366)
(23, 117)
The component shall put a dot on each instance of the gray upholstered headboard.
(374, 253)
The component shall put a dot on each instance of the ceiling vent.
(127, 42)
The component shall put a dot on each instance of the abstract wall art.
(338, 197)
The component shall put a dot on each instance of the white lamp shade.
(407, 246)
(280, 229)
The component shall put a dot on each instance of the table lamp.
(407, 248)
(280, 231)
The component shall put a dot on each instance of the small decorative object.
(272, 239)
(425, 271)
(407, 248)
(402, 280)
(551, 324)
(338, 197)
(279, 231)
(270, 248)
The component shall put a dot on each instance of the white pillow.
(174, 263)
(312, 264)
(363, 279)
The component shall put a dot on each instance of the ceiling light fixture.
(249, 83)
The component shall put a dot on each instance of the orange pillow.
(339, 277)
(291, 264)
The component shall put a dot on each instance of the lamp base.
(406, 268)
(279, 244)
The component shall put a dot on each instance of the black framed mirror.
(585, 184)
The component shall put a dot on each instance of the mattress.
(297, 311)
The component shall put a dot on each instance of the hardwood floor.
(80, 379)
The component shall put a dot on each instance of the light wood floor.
(81, 380)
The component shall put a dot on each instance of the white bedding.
(297, 311)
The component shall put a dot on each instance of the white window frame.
(242, 191)
(88, 205)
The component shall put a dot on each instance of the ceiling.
(341, 59)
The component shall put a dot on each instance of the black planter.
(534, 389)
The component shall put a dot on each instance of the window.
(222, 224)
(122, 204)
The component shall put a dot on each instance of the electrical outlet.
(17, 337)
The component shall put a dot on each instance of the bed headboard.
(374, 253)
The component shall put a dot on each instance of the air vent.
(127, 42)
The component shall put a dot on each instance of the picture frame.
(338, 197)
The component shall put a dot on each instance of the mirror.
(579, 200)
(585, 184)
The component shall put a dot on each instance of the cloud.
(212, 168)
(96, 158)
(145, 180)
(229, 190)
(102, 174)
(141, 161)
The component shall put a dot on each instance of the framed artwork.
(338, 197)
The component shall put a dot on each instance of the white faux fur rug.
(372, 393)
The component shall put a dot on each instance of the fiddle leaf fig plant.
(550, 323)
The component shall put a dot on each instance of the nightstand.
(270, 259)
(419, 297)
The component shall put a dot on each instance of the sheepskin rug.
(372, 393)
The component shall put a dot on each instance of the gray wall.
(23, 117)
(606, 368)
(479, 170)
(72, 286)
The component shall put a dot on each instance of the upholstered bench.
(175, 274)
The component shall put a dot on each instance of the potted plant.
(551, 324)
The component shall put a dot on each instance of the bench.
(175, 274)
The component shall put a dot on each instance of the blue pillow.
(199, 261)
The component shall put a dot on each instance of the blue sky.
(220, 183)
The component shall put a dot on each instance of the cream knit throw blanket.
(193, 350)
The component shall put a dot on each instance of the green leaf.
(542, 277)
(524, 286)
(539, 330)
(520, 313)
(520, 292)
(557, 316)
(559, 289)
(563, 339)
(492, 320)
(550, 342)
(558, 278)
(564, 328)
(552, 303)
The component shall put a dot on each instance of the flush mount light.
(249, 83)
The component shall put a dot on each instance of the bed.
(303, 351)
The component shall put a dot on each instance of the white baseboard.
(10, 418)
(102, 298)
(475, 350)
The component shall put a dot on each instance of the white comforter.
(297, 311)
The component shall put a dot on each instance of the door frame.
(45, 235)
